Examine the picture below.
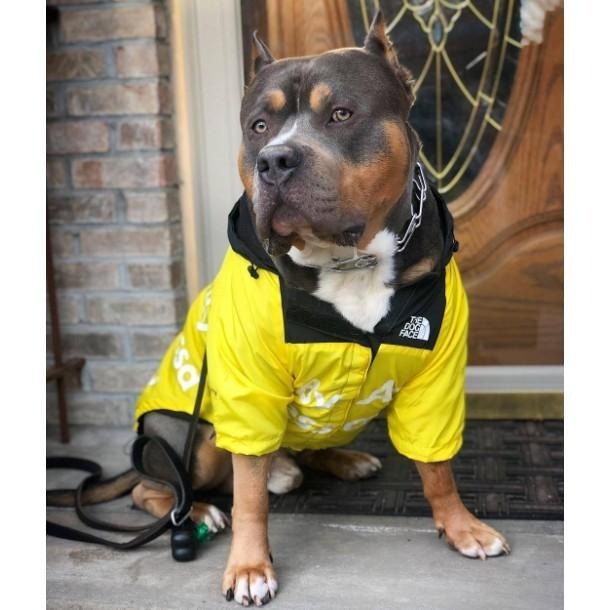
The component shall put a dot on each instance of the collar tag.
(360, 261)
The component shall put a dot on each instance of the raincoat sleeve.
(426, 419)
(249, 381)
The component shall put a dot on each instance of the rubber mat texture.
(505, 469)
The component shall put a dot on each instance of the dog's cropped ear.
(378, 43)
(264, 57)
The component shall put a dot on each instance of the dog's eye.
(340, 114)
(259, 126)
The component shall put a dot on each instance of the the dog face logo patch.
(417, 327)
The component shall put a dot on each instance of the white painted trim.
(208, 85)
(514, 379)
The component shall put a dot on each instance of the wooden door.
(510, 220)
(490, 114)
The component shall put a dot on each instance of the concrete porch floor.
(322, 561)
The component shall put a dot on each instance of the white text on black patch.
(417, 327)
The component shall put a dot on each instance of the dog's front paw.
(246, 584)
(469, 536)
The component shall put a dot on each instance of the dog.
(338, 298)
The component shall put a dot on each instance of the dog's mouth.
(282, 224)
(350, 237)
(278, 245)
(288, 227)
(282, 230)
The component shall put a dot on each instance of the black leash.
(184, 534)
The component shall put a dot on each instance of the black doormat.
(505, 469)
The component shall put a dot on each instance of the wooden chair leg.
(60, 369)
(64, 430)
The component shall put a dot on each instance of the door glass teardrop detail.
(463, 55)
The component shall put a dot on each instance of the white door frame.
(208, 86)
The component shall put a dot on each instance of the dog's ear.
(264, 57)
(378, 43)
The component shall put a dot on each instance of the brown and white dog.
(327, 161)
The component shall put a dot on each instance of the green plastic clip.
(202, 533)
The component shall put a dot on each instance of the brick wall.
(112, 199)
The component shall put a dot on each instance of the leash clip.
(174, 516)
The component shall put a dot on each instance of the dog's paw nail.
(267, 597)
(229, 595)
(440, 531)
(273, 586)
(270, 557)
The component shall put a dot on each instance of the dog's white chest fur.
(360, 295)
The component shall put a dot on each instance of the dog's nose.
(276, 164)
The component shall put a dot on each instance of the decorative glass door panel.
(463, 56)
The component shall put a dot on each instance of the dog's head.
(326, 145)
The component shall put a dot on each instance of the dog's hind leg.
(210, 469)
(154, 498)
(158, 500)
(284, 473)
(342, 463)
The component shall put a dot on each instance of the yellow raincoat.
(286, 370)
